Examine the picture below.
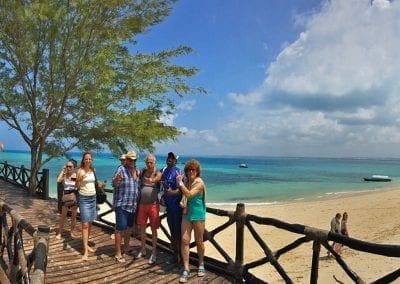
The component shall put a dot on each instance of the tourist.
(172, 196)
(85, 182)
(149, 207)
(194, 190)
(335, 228)
(125, 197)
(343, 225)
(122, 159)
(67, 177)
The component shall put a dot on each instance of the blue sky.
(285, 78)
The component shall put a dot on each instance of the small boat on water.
(243, 166)
(378, 178)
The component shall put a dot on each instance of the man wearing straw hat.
(126, 183)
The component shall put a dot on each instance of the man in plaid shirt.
(125, 199)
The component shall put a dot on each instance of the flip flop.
(119, 259)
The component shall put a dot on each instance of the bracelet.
(181, 184)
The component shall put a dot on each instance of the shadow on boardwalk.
(64, 257)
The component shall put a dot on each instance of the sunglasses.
(68, 166)
(192, 170)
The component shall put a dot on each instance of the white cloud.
(168, 118)
(250, 99)
(187, 105)
(348, 47)
(332, 92)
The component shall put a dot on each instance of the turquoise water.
(266, 180)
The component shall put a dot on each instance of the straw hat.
(131, 155)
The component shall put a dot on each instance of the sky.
(285, 78)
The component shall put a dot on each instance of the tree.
(68, 79)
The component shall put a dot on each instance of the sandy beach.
(373, 217)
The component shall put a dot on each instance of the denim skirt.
(87, 208)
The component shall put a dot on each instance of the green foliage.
(67, 78)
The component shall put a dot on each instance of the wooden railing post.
(5, 171)
(41, 246)
(315, 262)
(45, 184)
(21, 174)
(240, 217)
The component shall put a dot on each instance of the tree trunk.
(36, 162)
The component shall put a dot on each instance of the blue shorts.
(174, 220)
(87, 208)
(123, 219)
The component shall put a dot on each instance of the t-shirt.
(168, 180)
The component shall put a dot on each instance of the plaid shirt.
(126, 193)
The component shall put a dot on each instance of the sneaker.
(184, 276)
(140, 255)
(201, 271)
(152, 259)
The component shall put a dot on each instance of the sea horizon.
(265, 181)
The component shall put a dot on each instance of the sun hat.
(131, 155)
(123, 157)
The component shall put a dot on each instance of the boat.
(378, 178)
(243, 166)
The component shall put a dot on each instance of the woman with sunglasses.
(67, 177)
(194, 217)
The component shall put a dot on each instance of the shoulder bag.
(101, 195)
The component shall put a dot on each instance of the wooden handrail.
(21, 267)
(20, 177)
(240, 270)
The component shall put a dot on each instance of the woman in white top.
(85, 182)
(67, 177)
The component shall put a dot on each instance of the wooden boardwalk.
(64, 257)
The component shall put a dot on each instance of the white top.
(87, 187)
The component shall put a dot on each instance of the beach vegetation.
(72, 76)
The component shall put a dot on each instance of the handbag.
(183, 204)
(69, 199)
(101, 195)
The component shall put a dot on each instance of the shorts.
(87, 208)
(123, 219)
(151, 212)
(174, 220)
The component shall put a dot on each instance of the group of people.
(136, 199)
(339, 227)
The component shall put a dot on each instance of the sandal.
(201, 271)
(119, 259)
(184, 276)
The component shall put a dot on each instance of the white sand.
(373, 217)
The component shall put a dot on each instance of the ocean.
(266, 180)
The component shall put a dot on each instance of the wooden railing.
(18, 266)
(20, 177)
(235, 266)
